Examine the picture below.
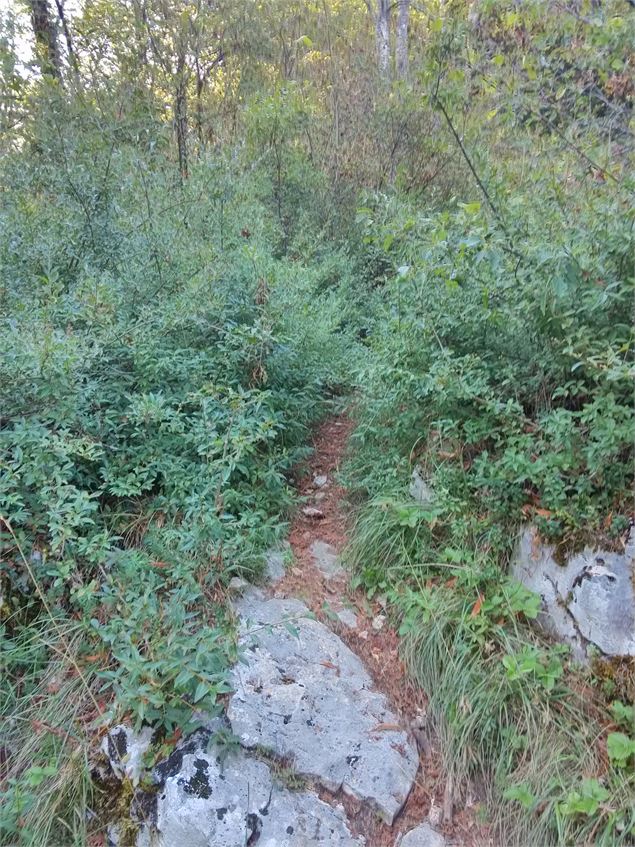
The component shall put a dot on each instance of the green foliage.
(168, 334)
(621, 749)
(156, 391)
(501, 368)
(511, 713)
(168, 659)
(526, 389)
(585, 801)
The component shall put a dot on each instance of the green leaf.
(623, 715)
(202, 690)
(521, 794)
(183, 678)
(620, 748)
(586, 800)
(471, 208)
(290, 628)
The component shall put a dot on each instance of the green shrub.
(156, 390)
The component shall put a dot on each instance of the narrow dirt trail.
(323, 518)
(322, 717)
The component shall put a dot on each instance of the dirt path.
(372, 638)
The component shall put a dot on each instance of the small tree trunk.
(200, 85)
(72, 58)
(180, 116)
(401, 49)
(45, 39)
(383, 38)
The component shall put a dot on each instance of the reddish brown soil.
(377, 649)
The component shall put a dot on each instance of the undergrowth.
(510, 403)
(499, 371)
(522, 733)
(179, 297)
(156, 392)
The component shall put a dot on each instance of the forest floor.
(324, 517)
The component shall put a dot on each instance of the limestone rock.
(237, 585)
(325, 559)
(209, 796)
(347, 617)
(125, 750)
(419, 488)
(320, 480)
(274, 565)
(422, 836)
(301, 693)
(588, 601)
(313, 513)
(300, 819)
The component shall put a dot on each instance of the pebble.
(313, 513)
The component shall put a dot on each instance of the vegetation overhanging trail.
(218, 220)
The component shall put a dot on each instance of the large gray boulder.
(302, 694)
(208, 796)
(586, 602)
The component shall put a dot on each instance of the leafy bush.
(500, 367)
(155, 394)
(516, 367)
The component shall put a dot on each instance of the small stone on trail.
(378, 622)
(237, 585)
(319, 496)
(320, 480)
(313, 513)
(435, 815)
(348, 618)
(274, 565)
(422, 836)
(325, 558)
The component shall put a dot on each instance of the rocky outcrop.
(302, 699)
(125, 751)
(207, 794)
(303, 705)
(587, 602)
(303, 695)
